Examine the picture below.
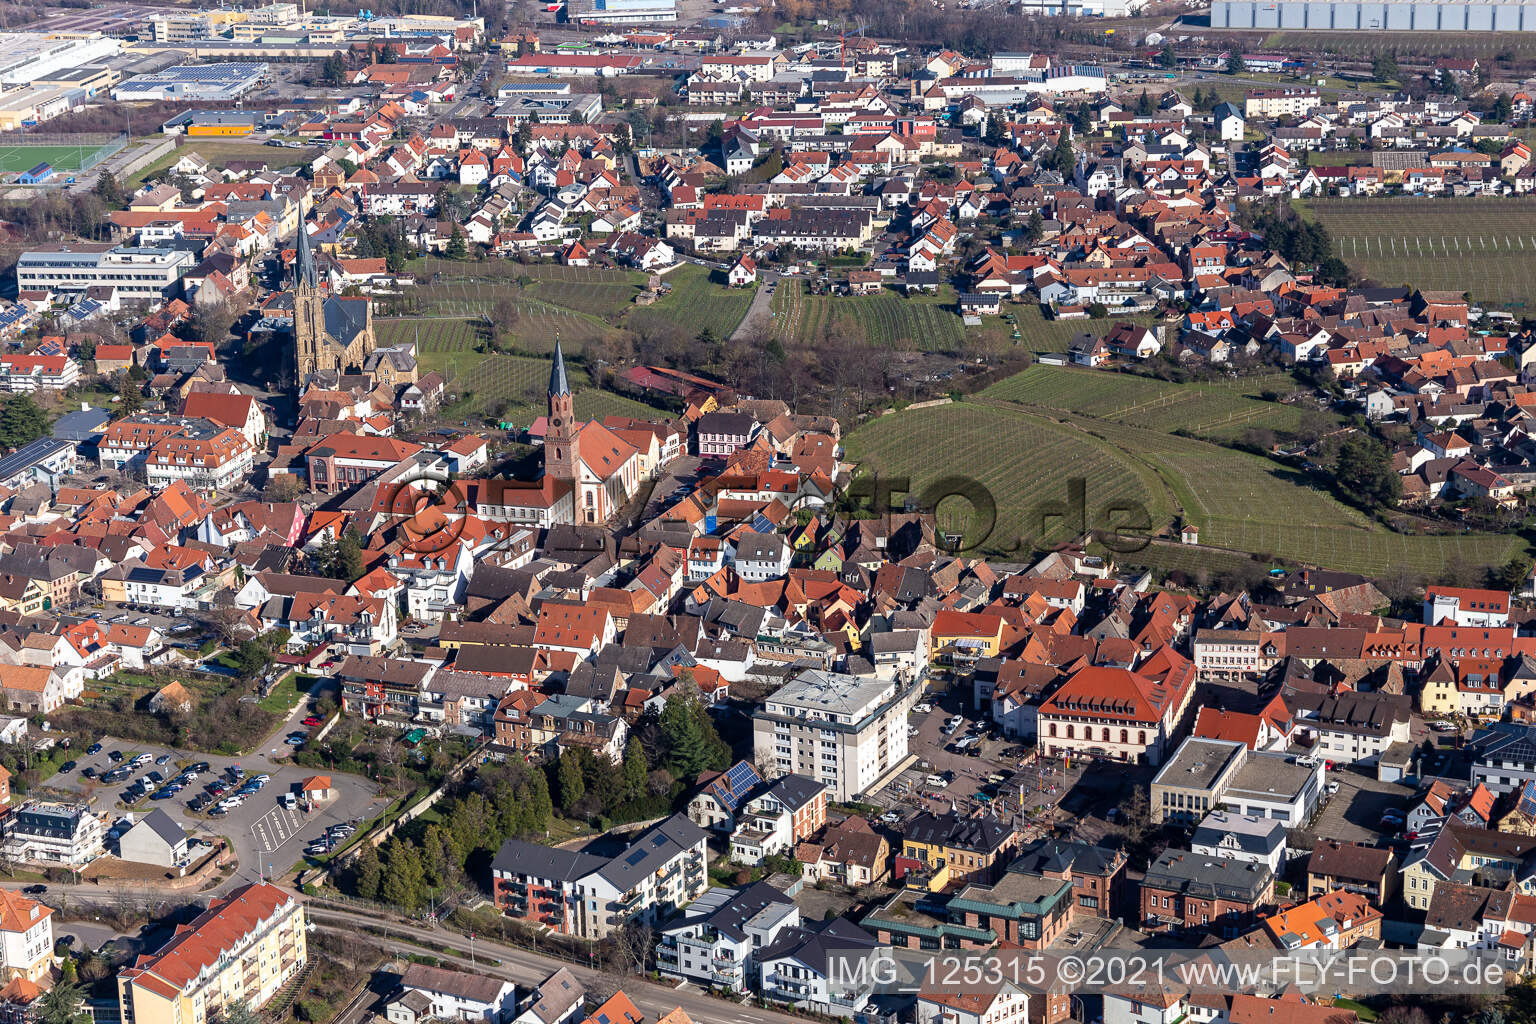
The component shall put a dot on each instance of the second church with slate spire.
(331, 335)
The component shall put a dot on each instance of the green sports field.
(15, 159)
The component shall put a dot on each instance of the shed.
(317, 788)
(37, 175)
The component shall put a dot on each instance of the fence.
(100, 144)
(384, 829)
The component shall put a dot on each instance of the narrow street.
(760, 312)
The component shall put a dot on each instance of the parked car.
(922, 708)
(67, 766)
(35, 890)
(94, 748)
(115, 756)
(312, 721)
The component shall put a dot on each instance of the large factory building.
(1369, 16)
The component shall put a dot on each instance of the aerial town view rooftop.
(746, 511)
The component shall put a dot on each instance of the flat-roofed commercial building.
(138, 272)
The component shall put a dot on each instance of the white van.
(289, 801)
(937, 781)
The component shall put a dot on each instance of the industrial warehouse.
(1388, 15)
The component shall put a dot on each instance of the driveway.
(760, 312)
(265, 837)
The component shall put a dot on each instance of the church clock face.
(554, 422)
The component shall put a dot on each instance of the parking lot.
(1354, 812)
(264, 835)
(993, 771)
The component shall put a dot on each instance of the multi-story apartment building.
(950, 848)
(1189, 892)
(388, 691)
(788, 811)
(1465, 606)
(715, 941)
(242, 949)
(589, 896)
(846, 731)
(218, 462)
(26, 937)
(68, 835)
(1291, 101)
(129, 441)
(721, 434)
(23, 374)
(138, 273)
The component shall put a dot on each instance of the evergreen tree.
(457, 248)
(693, 744)
(61, 1004)
(1384, 68)
(22, 421)
(570, 783)
(1364, 468)
(1503, 108)
(541, 807)
(238, 1012)
(334, 70)
(108, 190)
(349, 557)
(367, 872)
(404, 882)
(325, 558)
(634, 768)
(1168, 58)
(997, 129)
(1144, 104)
(130, 397)
(1235, 65)
(1034, 228)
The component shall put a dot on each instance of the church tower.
(560, 431)
(308, 308)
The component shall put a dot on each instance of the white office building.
(845, 731)
(139, 273)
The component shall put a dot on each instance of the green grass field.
(15, 159)
(697, 301)
(1221, 411)
(1483, 246)
(1025, 438)
(922, 322)
(498, 385)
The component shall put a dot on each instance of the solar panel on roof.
(1527, 804)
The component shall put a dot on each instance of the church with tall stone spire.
(332, 335)
(602, 466)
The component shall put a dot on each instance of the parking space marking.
(275, 828)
